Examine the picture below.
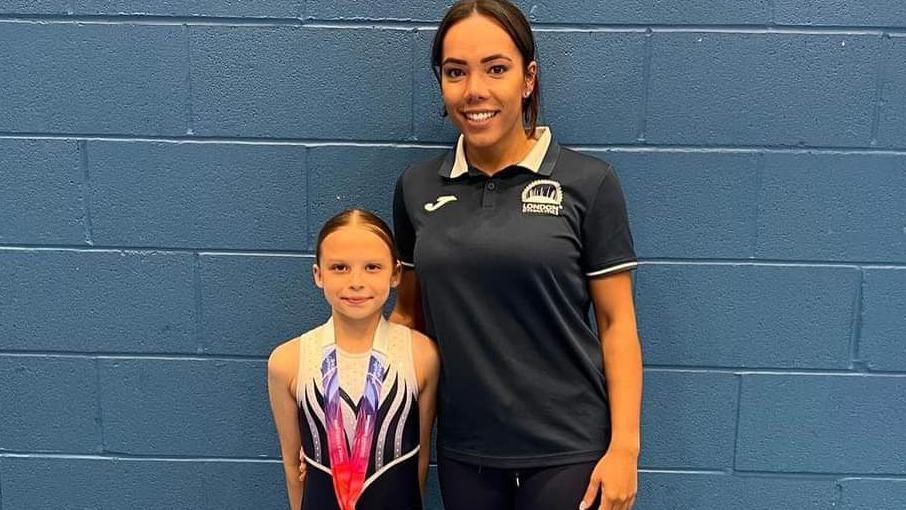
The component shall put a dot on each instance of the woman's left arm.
(616, 474)
(427, 370)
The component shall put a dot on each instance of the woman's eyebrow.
(496, 56)
(489, 58)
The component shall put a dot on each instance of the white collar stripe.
(532, 161)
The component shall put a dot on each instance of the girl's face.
(356, 271)
(483, 82)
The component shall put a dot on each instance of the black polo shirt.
(504, 263)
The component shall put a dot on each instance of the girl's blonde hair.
(360, 217)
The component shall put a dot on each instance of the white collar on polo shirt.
(532, 161)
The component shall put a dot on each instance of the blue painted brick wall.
(165, 166)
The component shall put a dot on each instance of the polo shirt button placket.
(487, 198)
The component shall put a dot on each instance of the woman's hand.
(616, 478)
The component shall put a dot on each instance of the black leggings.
(469, 487)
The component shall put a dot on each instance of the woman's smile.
(479, 118)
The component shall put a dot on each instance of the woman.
(509, 239)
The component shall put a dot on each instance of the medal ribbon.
(349, 468)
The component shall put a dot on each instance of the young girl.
(353, 399)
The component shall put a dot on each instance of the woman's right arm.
(281, 372)
(408, 307)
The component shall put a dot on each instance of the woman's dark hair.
(362, 218)
(515, 24)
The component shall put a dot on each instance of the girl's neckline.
(364, 352)
(353, 354)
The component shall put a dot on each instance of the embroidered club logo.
(542, 197)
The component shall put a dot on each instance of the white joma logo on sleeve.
(440, 202)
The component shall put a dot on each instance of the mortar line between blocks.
(739, 378)
(888, 478)
(663, 469)
(408, 144)
(681, 471)
(759, 176)
(856, 323)
(197, 301)
(87, 226)
(135, 356)
(147, 20)
(102, 436)
(307, 253)
(406, 24)
(646, 85)
(113, 456)
(262, 357)
(771, 371)
(880, 79)
(771, 262)
(1, 487)
(413, 42)
(10, 248)
(306, 158)
(190, 114)
(816, 475)
(774, 475)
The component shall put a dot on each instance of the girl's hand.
(616, 478)
(302, 466)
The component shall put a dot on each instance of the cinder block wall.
(164, 166)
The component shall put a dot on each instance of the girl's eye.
(498, 69)
(373, 267)
(453, 72)
(338, 268)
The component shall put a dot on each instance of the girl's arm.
(408, 307)
(427, 372)
(281, 373)
(617, 472)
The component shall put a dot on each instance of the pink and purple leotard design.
(370, 462)
(349, 467)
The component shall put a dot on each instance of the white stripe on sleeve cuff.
(614, 269)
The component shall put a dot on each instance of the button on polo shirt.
(487, 198)
(504, 262)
